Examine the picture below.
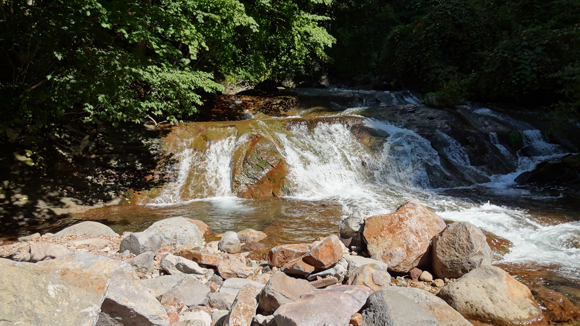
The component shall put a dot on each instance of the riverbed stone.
(282, 255)
(234, 268)
(190, 293)
(426, 277)
(375, 277)
(415, 273)
(177, 265)
(203, 228)
(244, 307)
(460, 249)
(298, 267)
(338, 271)
(351, 229)
(326, 254)
(195, 254)
(282, 289)
(76, 289)
(355, 262)
(140, 242)
(557, 308)
(40, 251)
(230, 243)
(400, 239)
(491, 295)
(445, 314)
(87, 228)
(334, 305)
(143, 263)
(177, 231)
(388, 308)
(250, 235)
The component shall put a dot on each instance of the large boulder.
(388, 308)
(375, 277)
(177, 231)
(280, 290)
(445, 315)
(244, 307)
(282, 255)
(325, 254)
(230, 243)
(141, 242)
(87, 228)
(333, 306)
(76, 289)
(400, 239)
(491, 295)
(259, 170)
(460, 249)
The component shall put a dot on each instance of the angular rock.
(326, 254)
(221, 301)
(445, 315)
(234, 285)
(338, 271)
(334, 306)
(40, 251)
(190, 293)
(200, 318)
(144, 263)
(233, 268)
(203, 228)
(250, 235)
(176, 265)
(298, 267)
(375, 277)
(162, 284)
(400, 239)
(352, 228)
(282, 255)
(199, 257)
(261, 320)
(76, 289)
(355, 262)
(253, 246)
(218, 317)
(244, 307)
(388, 308)
(230, 243)
(280, 290)
(324, 282)
(140, 242)
(491, 295)
(177, 231)
(460, 249)
(87, 228)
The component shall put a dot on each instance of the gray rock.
(200, 317)
(140, 242)
(355, 262)
(388, 308)
(29, 237)
(230, 243)
(445, 314)
(234, 285)
(87, 228)
(40, 251)
(280, 290)
(76, 289)
(162, 284)
(262, 320)
(177, 231)
(143, 263)
(95, 242)
(461, 248)
(190, 293)
(218, 317)
(338, 271)
(221, 301)
(491, 295)
(334, 305)
(352, 228)
(175, 265)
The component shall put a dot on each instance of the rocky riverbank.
(403, 268)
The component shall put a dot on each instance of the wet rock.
(491, 295)
(87, 228)
(390, 308)
(415, 273)
(565, 172)
(352, 228)
(298, 267)
(177, 231)
(76, 289)
(189, 293)
(176, 265)
(162, 284)
(445, 315)
(375, 277)
(244, 307)
(259, 170)
(199, 257)
(250, 235)
(314, 309)
(40, 251)
(282, 255)
(140, 242)
(400, 239)
(230, 243)
(355, 262)
(556, 306)
(143, 263)
(221, 301)
(282, 289)
(326, 254)
(426, 277)
(460, 249)
(203, 228)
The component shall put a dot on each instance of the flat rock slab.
(334, 305)
(388, 308)
(87, 228)
(234, 285)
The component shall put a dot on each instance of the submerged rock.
(400, 239)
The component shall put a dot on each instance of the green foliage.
(130, 60)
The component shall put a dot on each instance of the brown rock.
(557, 307)
(205, 230)
(200, 257)
(250, 235)
(415, 273)
(373, 276)
(400, 239)
(356, 320)
(231, 268)
(282, 255)
(326, 254)
(298, 267)
(254, 246)
(324, 282)
(244, 307)
(282, 289)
